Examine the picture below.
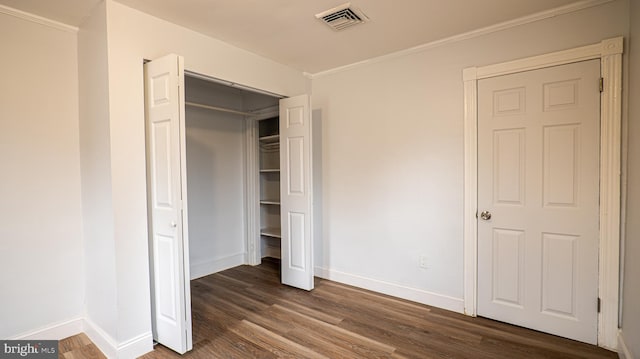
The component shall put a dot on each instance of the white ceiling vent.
(342, 17)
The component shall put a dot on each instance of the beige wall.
(40, 227)
(631, 288)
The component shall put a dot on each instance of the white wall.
(392, 160)
(215, 180)
(131, 37)
(631, 288)
(393, 155)
(97, 207)
(41, 267)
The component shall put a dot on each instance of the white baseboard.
(54, 331)
(136, 347)
(131, 348)
(205, 268)
(412, 294)
(623, 350)
(102, 340)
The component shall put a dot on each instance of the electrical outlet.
(422, 261)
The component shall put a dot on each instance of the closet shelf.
(271, 232)
(270, 170)
(270, 139)
(221, 109)
(254, 113)
(271, 202)
(270, 147)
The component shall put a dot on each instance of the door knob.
(174, 224)
(485, 215)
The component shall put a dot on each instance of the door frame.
(609, 52)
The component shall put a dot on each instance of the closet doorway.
(219, 119)
(229, 182)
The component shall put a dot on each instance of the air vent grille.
(342, 17)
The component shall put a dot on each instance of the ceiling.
(287, 31)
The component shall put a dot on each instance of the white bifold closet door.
(167, 181)
(166, 176)
(296, 192)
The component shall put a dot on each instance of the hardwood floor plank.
(336, 331)
(509, 334)
(244, 312)
(377, 297)
(218, 280)
(78, 347)
(241, 298)
(74, 342)
(312, 331)
(325, 347)
(273, 320)
(327, 318)
(231, 345)
(278, 345)
(413, 320)
(245, 273)
(281, 323)
(89, 351)
(412, 342)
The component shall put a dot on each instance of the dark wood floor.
(245, 312)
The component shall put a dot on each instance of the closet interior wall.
(217, 178)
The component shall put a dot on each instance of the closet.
(230, 180)
(219, 122)
(249, 179)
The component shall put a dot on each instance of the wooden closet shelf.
(273, 147)
(271, 202)
(271, 232)
(270, 139)
(270, 170)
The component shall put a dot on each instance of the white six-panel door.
(538, 173)
(164, 96)
(295, 192)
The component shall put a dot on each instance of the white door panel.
(164, 85)
(295, 192)
(538, 174)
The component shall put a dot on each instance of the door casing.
(609, 52)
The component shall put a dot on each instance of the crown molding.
(37, 19)
(577, 6)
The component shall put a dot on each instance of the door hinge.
(599, 304)
(602, 84)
